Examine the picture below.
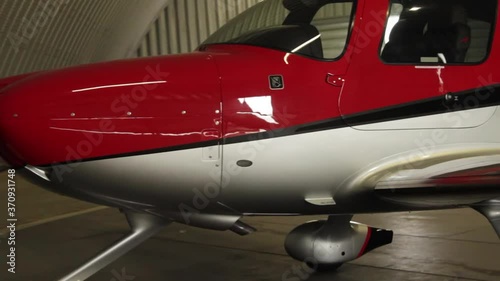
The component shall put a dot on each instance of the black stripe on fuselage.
(139, 153)
(465, 100)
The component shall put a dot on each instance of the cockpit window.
(438, 31)
(318, 29)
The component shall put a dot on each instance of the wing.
(466, 175)
(459, 175)
(459, 182)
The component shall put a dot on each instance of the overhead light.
(414, 9)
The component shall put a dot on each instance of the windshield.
(315, 28)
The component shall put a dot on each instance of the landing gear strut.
(491, 210)
(143, 226)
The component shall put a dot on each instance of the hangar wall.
(47, 34)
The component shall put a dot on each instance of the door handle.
(335, 80)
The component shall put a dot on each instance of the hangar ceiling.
(184, 24)
(48, 34)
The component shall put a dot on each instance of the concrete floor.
(56, 234)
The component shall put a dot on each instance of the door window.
(438, 31)
(334, 22)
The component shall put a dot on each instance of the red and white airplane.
(295, 107)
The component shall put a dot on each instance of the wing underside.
(455, 176)
(462, 181)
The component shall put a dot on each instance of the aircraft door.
(414, 58)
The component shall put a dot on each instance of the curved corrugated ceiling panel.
(267, 13)
(185, 24)
(41, 35)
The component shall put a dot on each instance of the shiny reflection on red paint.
(262, 107)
